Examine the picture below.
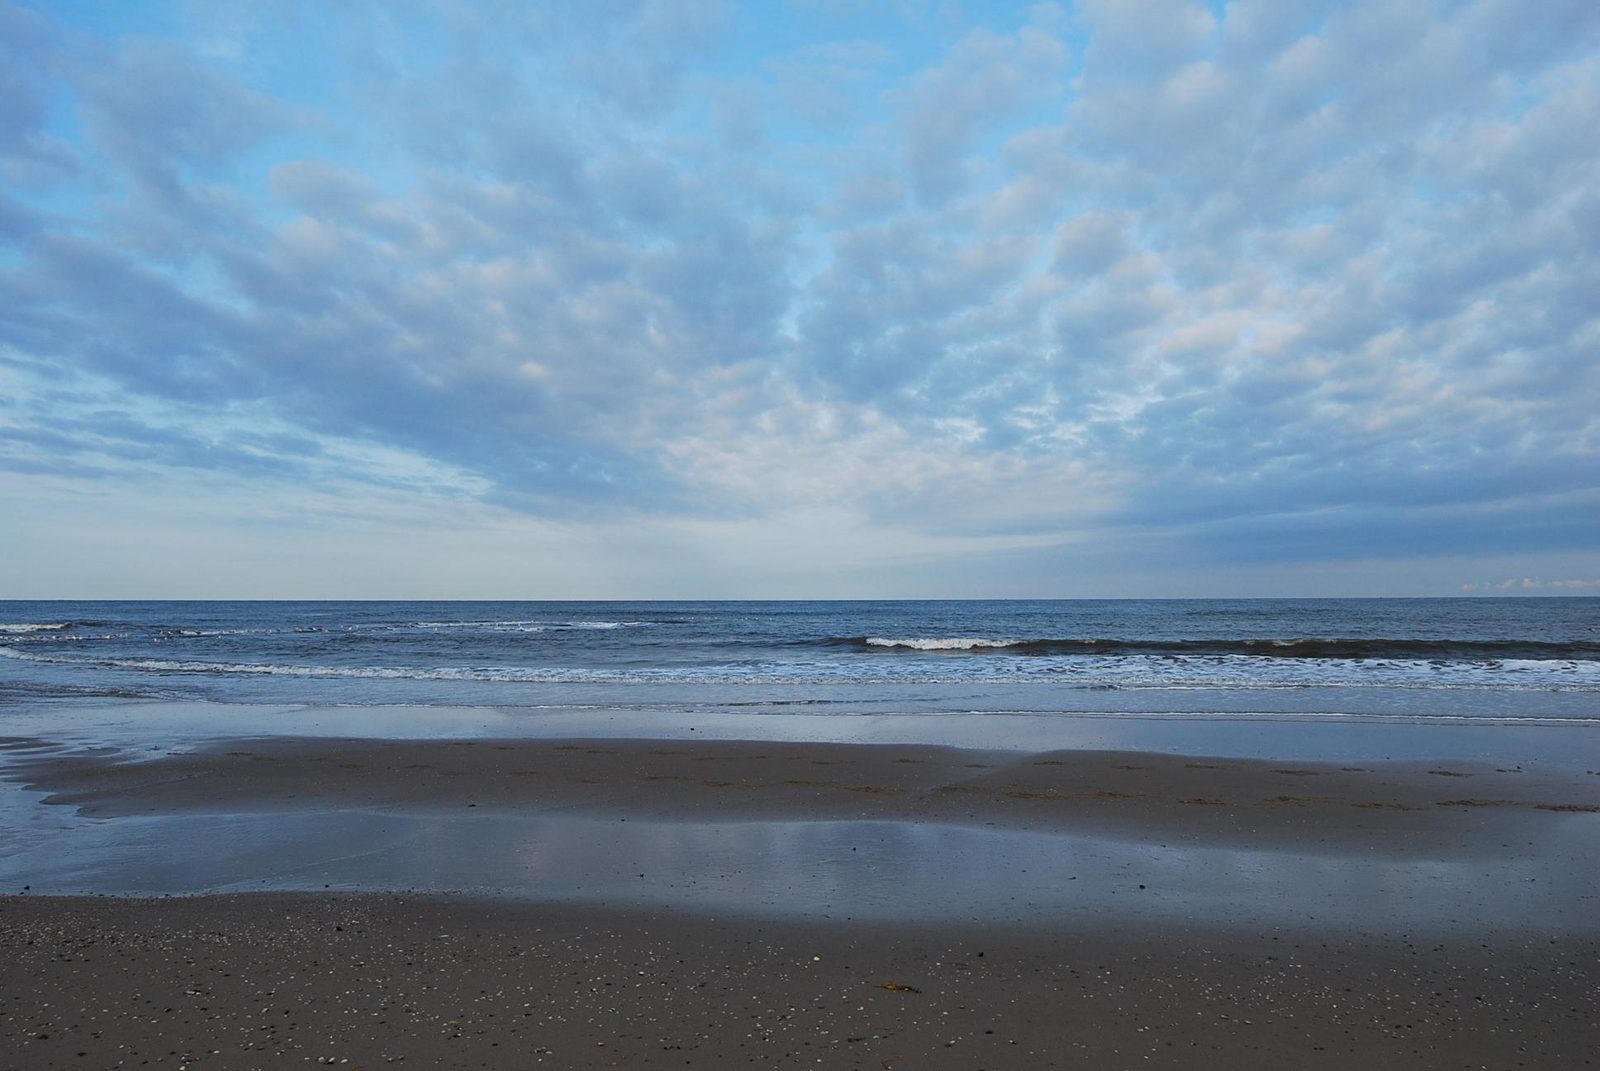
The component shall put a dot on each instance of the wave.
(21, 691)
(517, 626)
(1085, 673)
(494, 674)
(170, 665)
(460, 674)
(72, 630)
(1336, 649)
(954, 643)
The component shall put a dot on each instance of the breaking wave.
(954, 643)
(1338, 649)
(1096, 672)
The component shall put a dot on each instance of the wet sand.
(1395, 914)
(1399, 807)
(370, 981)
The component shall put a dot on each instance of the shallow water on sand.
(1491, 876)
(831, 869)
(1200, 729)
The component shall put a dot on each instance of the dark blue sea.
(1497, 658)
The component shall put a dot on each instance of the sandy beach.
(1095, 909)
(371, 981)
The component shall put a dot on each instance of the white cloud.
(1518, 585)
(1270, 283)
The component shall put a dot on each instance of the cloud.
(31, 155)
(981, 84)
(1518, 585)
(824, 84)
(1246, 284)
(1141, 39)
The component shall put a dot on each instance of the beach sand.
(369, 981)
(1474, 940)
(1395, 806)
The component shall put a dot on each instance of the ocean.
(1411, 659)
(1425, 693)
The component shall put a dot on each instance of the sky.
(799, 298)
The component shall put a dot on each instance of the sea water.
(1416, 658)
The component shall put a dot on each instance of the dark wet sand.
(370, 981)
(1376, 807)
(366, 980)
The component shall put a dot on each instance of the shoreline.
(669, 902)
(773, 830)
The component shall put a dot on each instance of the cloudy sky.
(678, 298)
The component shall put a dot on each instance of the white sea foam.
(1132, 672)
(947, 643)
(54, 626)
(502, 674)
(515, 626)
(1535, 665)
